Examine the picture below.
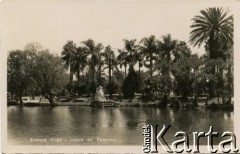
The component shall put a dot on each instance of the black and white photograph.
(159, 76)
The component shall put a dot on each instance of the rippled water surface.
(78, 125)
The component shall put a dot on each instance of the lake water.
(82, 125)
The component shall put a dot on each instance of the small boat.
(96, 103)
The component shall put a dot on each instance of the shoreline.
(135, 102)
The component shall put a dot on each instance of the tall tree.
(149, 49)
(122, 60)
(109, 60)
(181, 50)
(167, 46)
(184, 72)
(49, 73)
(94, 51)
(130, 84)
(166, 49)
(100, 64)
(69, 56)
(17, 73)
(31, 49)
(80, 61)
(131, 49)
(214, 27)
(139, 58)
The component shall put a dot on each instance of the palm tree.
(181, 50)
(122, 60)
(101, 62)
(80, 61)
(149, 48)
(68, 55)
(131, 49)
(166, 49)
(139, 58)
(214, 28)
(167, 46)
(94, 51)
(110, 58)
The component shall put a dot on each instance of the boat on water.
(96, 103)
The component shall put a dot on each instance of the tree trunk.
(151, 63)
(99, 74)
(229, 100)
(139, 71)
(93, 74)
(206, 102)
(71, 76)
(218, 98)
(223, 99)
(213, 54)
(50, 98)
(230, 84)
(125, 71)
(20, 98)
(139, 79)
(110, 72)
(78, 76)
(213, 47)
(163, 103)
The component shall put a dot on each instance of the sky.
(53, 23)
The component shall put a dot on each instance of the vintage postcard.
(118, 76)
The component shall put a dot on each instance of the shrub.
(112, 88)
(130, 84)
(82, 89)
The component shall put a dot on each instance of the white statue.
(100, 95)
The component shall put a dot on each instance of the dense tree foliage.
(49, 74)
(166, 66)
(17, 74)
(35, 72)
(214, 27)
(149, 49)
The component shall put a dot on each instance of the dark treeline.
(153, 66)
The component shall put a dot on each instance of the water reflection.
(123, 124)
